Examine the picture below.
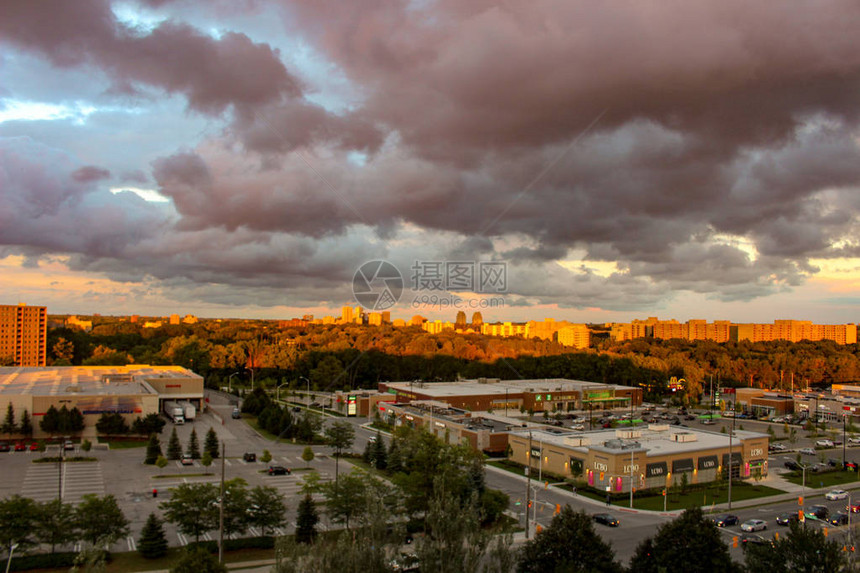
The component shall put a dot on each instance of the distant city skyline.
(691, 161)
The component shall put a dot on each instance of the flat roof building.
(23, 335)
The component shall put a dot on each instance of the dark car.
(4, 447)
(278, 471)
(838, 519)
(816, 512)
(250, 457)
(794, 466)
(237, 414)
(787, 518)
(606, 519)
(754, 539)
(725, 519)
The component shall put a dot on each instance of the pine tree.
(306, 520)
(380, 455)
(210, 444)
(395, 463)
(9, 426)
(152, 543)
(174, 448)
(193, 446)
(26, 424)
(153, 450)
(367, 455)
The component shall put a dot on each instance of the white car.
(577, 427)
(824, 443)
(836, 494)
(854, 440)
(753, 525)
(807, 451)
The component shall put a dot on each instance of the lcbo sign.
(756, 452)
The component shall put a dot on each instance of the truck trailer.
(174, 411)
(189, 409)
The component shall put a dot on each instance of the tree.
(50, 421)
(174, 447)
(210, 443)
(346, 500)
(26, 427)
(149, 424)
(570, 543)
(236, 506)
(268, 509)
(192, 508)
(153, 450)
(100, 520)
(452, 545)
(17, 516)
(802, 550)
(308, 455)
(152, 543)
(206, 460)
(9, 425)
(112, 424)
(55, 523)
(86, 445)
(266, 457)
(339, 436)
(687, 543)
(161, 462)
(193, 445)
(306, 520)
(198, 560)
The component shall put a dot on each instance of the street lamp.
(11, 551)
(230, 381)
(309, 387)
(252, 377)
(278, 391)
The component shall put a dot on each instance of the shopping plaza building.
(133, 391)
(654, 456)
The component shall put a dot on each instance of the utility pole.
(528, 482)
(221, 508)
(731, 461)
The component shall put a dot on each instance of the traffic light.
(800, 500)
(735, 541)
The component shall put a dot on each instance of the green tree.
(206, 460)
(153, 450)
(26, 427)
(9, 425)
(688, 543)
(339, 436)
(380, 453)
(308, 455)
(161, 462)
(174, 447)
(452, 545)
(267, 508)
(50, 421)
(210, 444)
(86, 445)
(193, 448)
(55, 523)
(266, 457)
(100, 520)
(17, 518)
(192, 508)
(801, 550)
(152, 543)
(570, 543)
(198, 560)
(306, 520)
(112, 424)
(92, 559)
(149, 424)
(346, 500)
(236, 506)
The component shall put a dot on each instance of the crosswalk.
(71, 481)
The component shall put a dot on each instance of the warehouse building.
(134, 390)
(654, 456)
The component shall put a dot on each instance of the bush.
(261, 542)
(45, 561)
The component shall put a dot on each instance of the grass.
(824, 479)
(165, 476)
(124, 444)
(699, 498)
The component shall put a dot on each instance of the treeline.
(351, 356)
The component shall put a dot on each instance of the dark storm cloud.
(90, 173)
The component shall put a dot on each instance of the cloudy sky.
(245, 158)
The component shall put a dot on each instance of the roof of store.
(86, 380)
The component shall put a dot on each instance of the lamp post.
(11, 551)
(252, 378)
(528, 482)
(221, 507)
(731, 461)
(278, 391)
(230, 381)
(309, 387)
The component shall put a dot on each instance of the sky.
(615, 160)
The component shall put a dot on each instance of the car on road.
(236, 413)
(577, 427)
(794, 466)
(4, 447)
(807, 451)
(853, 508)
(819, 512)
(249, 457)
(187, 460)
(314, 405)
(606, 519)
(754, 525)
(787, 518)
(724, 519)
(838, 519)
(824, 443)
(835, 494)
(278, 471)
(777, 447)
(754, 539)
(854, 440)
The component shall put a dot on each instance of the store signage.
(656, 470)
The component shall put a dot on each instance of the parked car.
(187, 460)
(68, 445)
(824, 443)
(278, 471)
(754, 525)
(577, 427)
(778, 420)
(787, 518)
(835, 494)
(777, 447)
(807, 451)
(20, 447)
(854, 440)
(4, 447)
(838, 519)
(249, 457)
(724, 519)
(35, 447)
(816, 512)
(794, 466)
(606, 519)
(754, 539)
(853, 508)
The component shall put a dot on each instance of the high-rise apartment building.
(23, 335)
